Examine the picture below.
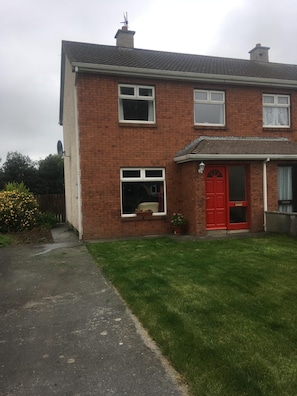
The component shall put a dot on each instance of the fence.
(54, 203)
(282, 223)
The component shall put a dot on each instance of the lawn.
(224, 312)
(5, 240)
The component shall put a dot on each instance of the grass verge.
(5, 240)
(224, 312)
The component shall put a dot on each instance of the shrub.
(14, 186)
(47, 219)
(18, 211)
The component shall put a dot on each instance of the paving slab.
(65, 331)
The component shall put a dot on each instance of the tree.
(20, 168)
(51, 174)
(43, 177)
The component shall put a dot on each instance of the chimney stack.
(125, 37)
(259, 53)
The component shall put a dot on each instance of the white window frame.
(137, 96)
(210, 101)
(142, 177)
(277, 106)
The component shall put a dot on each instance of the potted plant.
(178, 222)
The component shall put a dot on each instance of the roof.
(94, 56)
(241, 148)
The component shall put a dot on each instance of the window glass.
(127, 91)
(283, 100)
(238, 215)
(154, 173)
(276, 111)
(285, 189)
(141, 190)
(209, 113)
(237, 183)
(217, 96)
(145, 92)
(131, 173)
(135, 109)
(140, 107)
(200, 95)
(268, 99)
(207, 110)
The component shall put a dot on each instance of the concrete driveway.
(65, 331)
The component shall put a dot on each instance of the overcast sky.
(31, 32)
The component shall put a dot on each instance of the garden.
(222, 311)
(20, 218)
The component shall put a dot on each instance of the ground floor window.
(287, 189)
(142, 188)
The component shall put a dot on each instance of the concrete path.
(65, 331)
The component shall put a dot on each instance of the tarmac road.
(65, 331)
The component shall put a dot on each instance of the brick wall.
(106, 146)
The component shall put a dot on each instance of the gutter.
(182, 76)
(251, 157)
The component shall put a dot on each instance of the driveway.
(65, 331)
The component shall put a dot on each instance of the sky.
(31, 32)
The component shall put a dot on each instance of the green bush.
(14, 186)
(18, 211)
(47, 219)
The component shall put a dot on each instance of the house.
(213, 138)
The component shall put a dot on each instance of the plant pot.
(144, 214)
(178, 230)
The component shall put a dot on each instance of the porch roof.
(237, 148)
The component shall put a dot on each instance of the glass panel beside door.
(238, 202)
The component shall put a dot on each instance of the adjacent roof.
(113, 59)
(233, 148)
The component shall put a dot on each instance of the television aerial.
(125, 22)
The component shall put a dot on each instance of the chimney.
(125, 37)
(259, 53)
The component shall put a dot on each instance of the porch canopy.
(237, 148)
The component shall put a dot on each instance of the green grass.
(5, 240)
(224, 312)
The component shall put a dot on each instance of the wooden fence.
(54, 203)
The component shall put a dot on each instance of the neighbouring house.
(214, 138)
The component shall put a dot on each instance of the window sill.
(277, 129)
(144, 218)
(136, 125)
(210, 127)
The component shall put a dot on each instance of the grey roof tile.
(178, 62)
(238, 146)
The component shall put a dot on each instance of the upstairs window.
(276, 111)
(136, 103)
(209, 108)
(143, 188)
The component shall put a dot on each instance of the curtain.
(285, 191)
(275, 116)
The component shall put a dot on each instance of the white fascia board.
(234, 157)
(185, 76)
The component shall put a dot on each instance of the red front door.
(215, 186)
(226, 197)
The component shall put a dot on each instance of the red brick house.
(213, 138)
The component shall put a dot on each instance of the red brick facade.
(107, 145)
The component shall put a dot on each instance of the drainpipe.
(265, 191)
(78, 180)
